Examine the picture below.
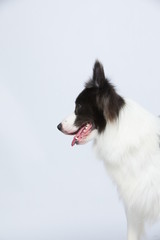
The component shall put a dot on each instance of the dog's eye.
(78, 108)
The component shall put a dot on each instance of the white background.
(49, 190)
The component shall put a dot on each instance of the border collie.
(127, 138)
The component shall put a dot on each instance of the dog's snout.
(59, 126)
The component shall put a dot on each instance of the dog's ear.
(98, 80)
(98, 75)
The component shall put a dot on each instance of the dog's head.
(96, 105)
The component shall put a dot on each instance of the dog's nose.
(59, 126)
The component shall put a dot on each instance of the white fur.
(130, 148)
(131, 152)
(68, 124)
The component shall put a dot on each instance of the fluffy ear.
(98, 80)
(98, 74)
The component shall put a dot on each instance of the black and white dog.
(127, 138)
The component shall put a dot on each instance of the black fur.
(98, 102)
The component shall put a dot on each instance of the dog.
(127, 138)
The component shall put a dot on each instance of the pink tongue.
(73, 142)
(83, 132)
(77, 136)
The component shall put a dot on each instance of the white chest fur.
(131, 153)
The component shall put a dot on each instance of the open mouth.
(82, 133)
